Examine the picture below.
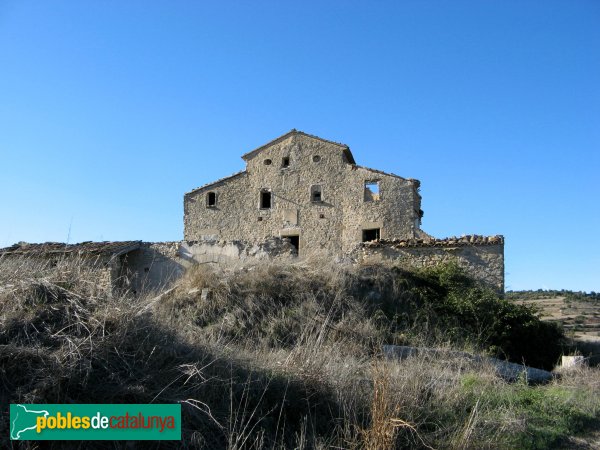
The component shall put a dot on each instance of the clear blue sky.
(111, 110)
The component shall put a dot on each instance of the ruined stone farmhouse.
(300, 195)
(309, 190)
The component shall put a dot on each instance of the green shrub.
(444, 302)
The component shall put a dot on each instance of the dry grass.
(275, 357)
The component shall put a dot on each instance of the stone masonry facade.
(309, 190)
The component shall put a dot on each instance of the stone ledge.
(468, 240)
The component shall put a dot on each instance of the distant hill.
(578, 313)
(549, 293)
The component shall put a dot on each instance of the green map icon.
(23, 420)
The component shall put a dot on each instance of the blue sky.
(110, 111)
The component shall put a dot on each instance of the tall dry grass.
(275, 356)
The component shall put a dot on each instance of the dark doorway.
(372, 234)
(295, 241)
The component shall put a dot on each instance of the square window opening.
(285, 162)
(265, 200)
(372, 234)
(316, 194)
(372, 191)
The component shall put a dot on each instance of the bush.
(452, 305)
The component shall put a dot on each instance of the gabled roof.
(204, 186)
(293, 132)
(89, 247)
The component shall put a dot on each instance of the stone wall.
(103, 270)
(482, 257)
(396, 212)
(156, 265)
(153, 266)
(148, 266)
(330, 226)
(230, 252)
(107, 271)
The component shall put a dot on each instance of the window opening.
(316, 194)
(371, 191)
(372, 234)
(285, 162)
(265, 200)
(211, 199)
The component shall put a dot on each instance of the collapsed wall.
(155, 265)
(137, 267)
(100, 261)
(213, 251)
(152, 266)
(481, 256)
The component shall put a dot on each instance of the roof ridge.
(285, 136)
(314, 136)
